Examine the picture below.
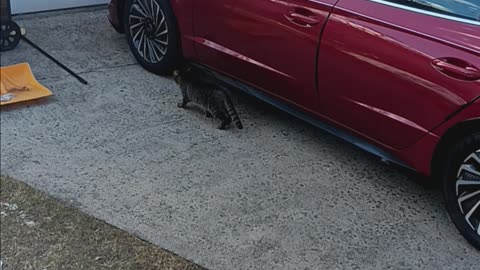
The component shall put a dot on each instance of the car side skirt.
(355, 140)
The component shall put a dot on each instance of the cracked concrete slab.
(280, 194)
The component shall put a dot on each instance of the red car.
(398, 78)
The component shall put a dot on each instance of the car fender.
(183, 10)
(469, 112)
(422, 155)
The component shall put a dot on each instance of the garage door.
(23, 6)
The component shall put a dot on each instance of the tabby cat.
(214, 101)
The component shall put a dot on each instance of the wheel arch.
(120, 12)
(452, 135)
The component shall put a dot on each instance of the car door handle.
(302, 17)
(457, 68)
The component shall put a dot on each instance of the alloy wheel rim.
(149, 30)
(468, 190)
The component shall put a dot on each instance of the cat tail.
(232, 112)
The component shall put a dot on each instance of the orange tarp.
(17, 84)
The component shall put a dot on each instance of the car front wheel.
(152, 35)
(461, 183)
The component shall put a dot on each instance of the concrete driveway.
(280, 194)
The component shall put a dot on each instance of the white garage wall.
(24, 6)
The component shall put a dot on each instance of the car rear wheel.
(461, 183)
(152, 35)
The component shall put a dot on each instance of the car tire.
(152, 34)
(461, 186)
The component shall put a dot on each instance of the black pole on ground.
(82, 80)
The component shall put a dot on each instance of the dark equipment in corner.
(10, 32)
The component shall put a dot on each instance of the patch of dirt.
(38, 232)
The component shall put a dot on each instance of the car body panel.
(469, 113)
(183, 10)
(388, 79)
(263, 43)
(419, 155)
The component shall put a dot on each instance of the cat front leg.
(183, 104)
(185, 100)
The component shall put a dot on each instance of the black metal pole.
(55, 60)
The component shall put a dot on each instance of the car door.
(270, 44)
(392, 70)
